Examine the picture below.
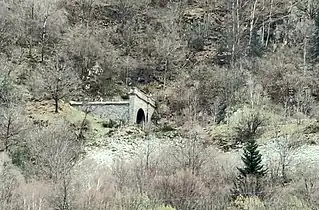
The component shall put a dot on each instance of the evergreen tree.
(252, 160)
(249, 182)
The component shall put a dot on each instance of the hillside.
(223, 74)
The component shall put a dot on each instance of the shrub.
(247, 203)
(181, 190)
(125, 97)
(224, 137)
(198, 33)
(164, 207)
(10, 180)
(197, 43)
(167, 128)
(160, 3)
(312, 128)
(216, 90)
(20, 154)
(248, 126)
(287, 201)
(111, 124)
(86, 124)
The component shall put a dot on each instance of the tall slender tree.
(12, 121)
(315, 50)
(249, 180)
(252, 160)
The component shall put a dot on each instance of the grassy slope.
(306, 130)
(44, 111)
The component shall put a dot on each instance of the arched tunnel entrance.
(140, 118)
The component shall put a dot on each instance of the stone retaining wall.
(106, 110)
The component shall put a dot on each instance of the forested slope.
(221, 71)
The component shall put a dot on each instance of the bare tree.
(8, 91)
(286, 148)
(62, 196)
(58, 80)
(169, 47)
(54, 151)
(52, 22)
(11, 25)
(191, 155)
(12, 121)
(12, 126)
(95, 60)
(8, 186)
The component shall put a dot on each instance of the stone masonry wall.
(107, 110)
(121, 110)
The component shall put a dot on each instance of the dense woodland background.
(201, 60)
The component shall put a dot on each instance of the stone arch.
(140, 103)
(140, 117)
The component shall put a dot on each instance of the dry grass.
(44, 112)
(164, 177)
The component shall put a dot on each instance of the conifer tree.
(249, 181)
(252, 160)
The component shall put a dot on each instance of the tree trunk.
(56, 95)
(309, 8)
(127, 71)
(165, 73)
(65, 202)
(56, 103)
(252, 22)
(269, 23)
(233, 33)
(43, 37)
(7, 134)
(305, 55)
(263, 26)
(238, 3)
(81, 135)
(31, 30)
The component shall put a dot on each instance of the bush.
(216, 90)
(198, 33)
(312, 128)
(20, 155)
(247, 203)
(9, 184)
(86, 124)
(287, 202)
(160, 3)
(197, 43)
(182, 190)
(224, 137)
(167, 128)
(165, 208)
(243, 125)
(248, 125)
(111, 124)
(125, 97)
